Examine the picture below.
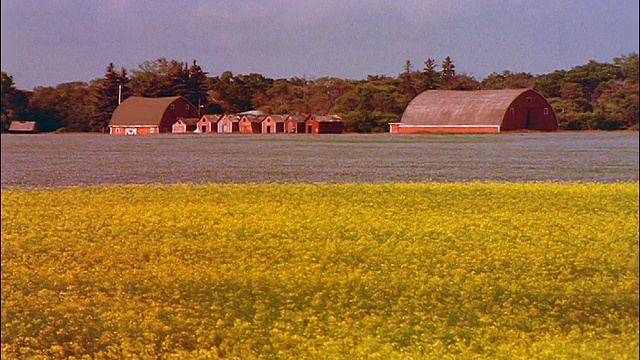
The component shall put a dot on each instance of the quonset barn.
(477, 111)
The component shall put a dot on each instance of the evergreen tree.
(107, 92)
(448, 71)
(14, 102)
(197, 86)
(430, 75)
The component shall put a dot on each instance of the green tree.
(549, 85)
(47, 107)
(507, 80)
(15, 102)
(197, 86)
(324, 92)
(107, 92)
(371, 105)
(448, 72)
(431, 77)
(592, 74)
(282, 95)
(156, 78)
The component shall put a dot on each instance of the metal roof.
(23, 126)
(188, 121)
(453, 107)
(137, 110)
(326, 118)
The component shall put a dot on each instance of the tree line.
(593, 96)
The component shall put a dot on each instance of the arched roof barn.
(477, 111)
(158, 112)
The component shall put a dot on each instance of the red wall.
(410, 130)
(532, 105)
(290, 126)
(138, 130)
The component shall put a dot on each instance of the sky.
(50, 42)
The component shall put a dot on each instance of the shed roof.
(23, 126)
(453, 107)
(326, 118)
(138, 110)
(253, 117)
(231, 117)
(277, 117)
(212, 117)
(188, 121)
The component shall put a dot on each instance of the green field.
(322, 271)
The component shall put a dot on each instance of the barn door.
(528, 123)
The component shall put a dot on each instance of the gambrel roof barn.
(141, 115)
(477, 111)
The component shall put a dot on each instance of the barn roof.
(137, 110)
(23, 126)
(452, 107)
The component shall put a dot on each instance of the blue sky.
(49, 42)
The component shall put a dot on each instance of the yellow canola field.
(322, 271)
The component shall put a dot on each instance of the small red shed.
(250, 124)
(273, 123)
(228, 123)
(184, 125)
(208, 123)
(326, 124)
(23, 126)
(292, 124)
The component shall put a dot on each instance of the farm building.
(23, 127)
(294, 124)
(326, 124)
(208, 123)
(229, 123)
(477, 111)
(251, 123)
(139, 115)
(273, 123)
(184, 125)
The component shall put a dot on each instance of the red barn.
(139, 115)
(327, 124)
(477, 111)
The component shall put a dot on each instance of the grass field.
(322, 271)
(63, 160)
